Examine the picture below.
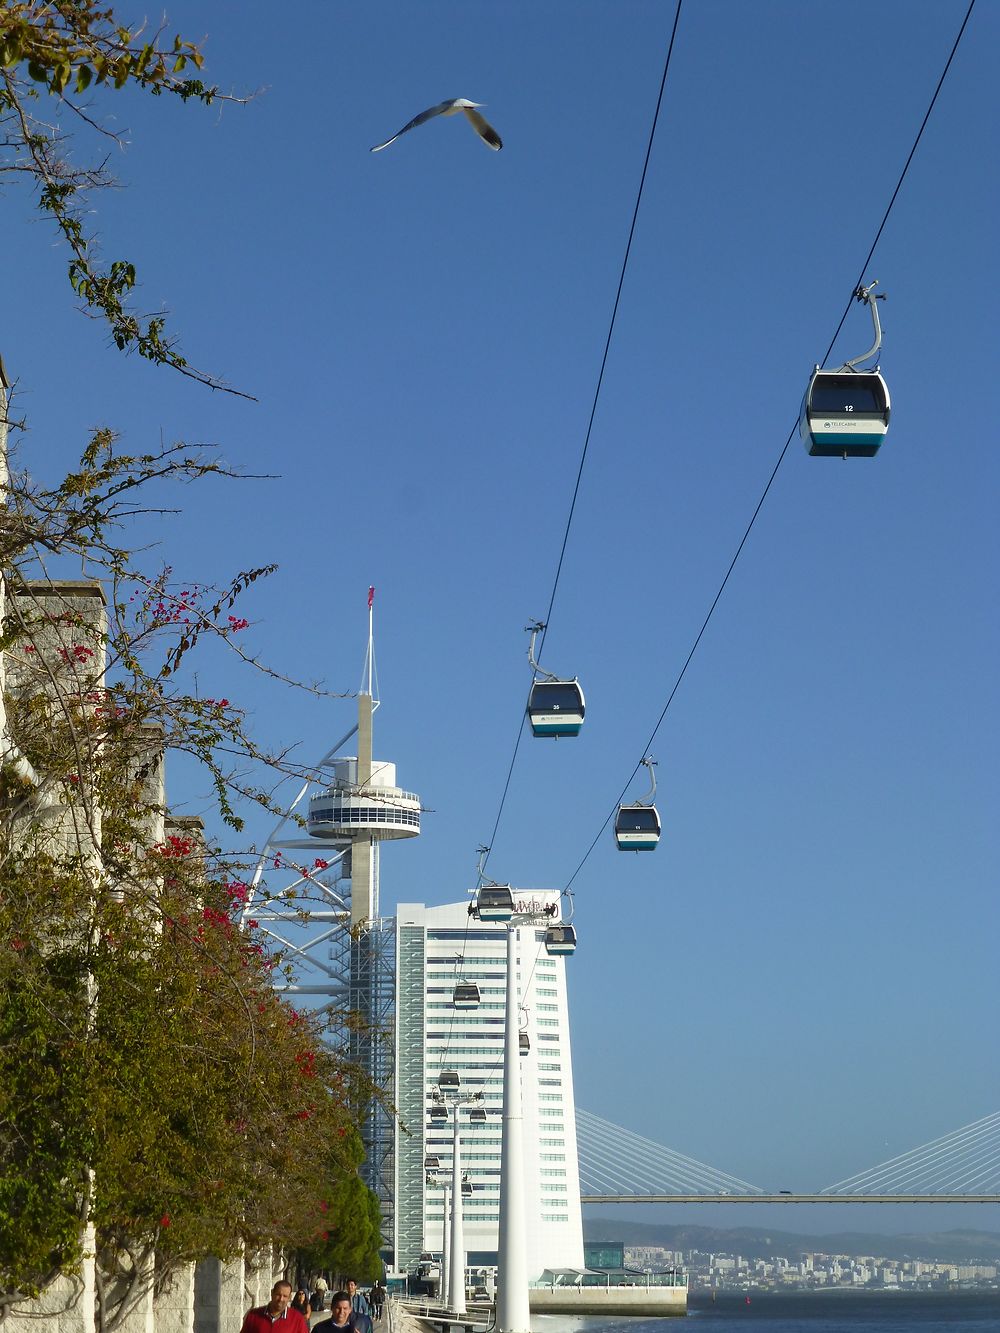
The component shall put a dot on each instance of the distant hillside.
(766, 1243)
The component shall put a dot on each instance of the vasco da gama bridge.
(617, 1166)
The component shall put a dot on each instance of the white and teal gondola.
(845, 414)
(556, 708)
(560, 941)
(637, 828)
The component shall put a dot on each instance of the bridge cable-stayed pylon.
(966, 1161)
(615, 1161)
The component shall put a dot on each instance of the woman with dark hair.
(300, 1302)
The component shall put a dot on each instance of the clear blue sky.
(802, 980)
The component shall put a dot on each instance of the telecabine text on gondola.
(556, 707)
(845, 412)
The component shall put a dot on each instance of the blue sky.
(801, 981)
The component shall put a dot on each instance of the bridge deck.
(790, 1198)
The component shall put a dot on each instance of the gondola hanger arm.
(649, 763)
(534, 629)
(869, 297)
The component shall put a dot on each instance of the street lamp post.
(513, 1315)
(433, 1181)
(456, 1280)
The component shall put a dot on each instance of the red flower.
(165, 1220)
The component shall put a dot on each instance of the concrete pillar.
(218, 1296)
(173, 1307)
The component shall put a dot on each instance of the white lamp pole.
(445, 1248)
(456, 1277)
(513, 1315)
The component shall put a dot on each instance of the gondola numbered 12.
(845, 412)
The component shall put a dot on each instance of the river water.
(812, 1312)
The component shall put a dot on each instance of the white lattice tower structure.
(315, 895)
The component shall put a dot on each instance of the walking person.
(320, 1289)
(376, 1298)
(359, 1301)
(277, 1316)
(342, 1318)
(300, 1302)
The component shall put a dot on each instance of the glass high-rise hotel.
(437, 947)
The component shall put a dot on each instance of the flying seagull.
(485, 131)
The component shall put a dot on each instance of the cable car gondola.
(555, 707)
(431, 1163)
(465, 995)
(560, 940)
(477, 1115)
(637, 826)
(448, 1080)
(494, 902)
(438, 1112)
(523, 1044)
(845, 412)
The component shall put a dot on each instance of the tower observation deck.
(378, 809)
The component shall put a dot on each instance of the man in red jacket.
(276, 1317)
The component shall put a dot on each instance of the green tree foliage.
(143, 1047)
(349, 1239)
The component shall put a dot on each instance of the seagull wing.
(429, 114)
(483, 128)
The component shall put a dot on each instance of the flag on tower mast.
(371, 597)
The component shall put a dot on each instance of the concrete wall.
(611, 1301)
(60, 1309)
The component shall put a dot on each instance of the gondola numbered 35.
(555, 707)
(845, 412)
(494, 902)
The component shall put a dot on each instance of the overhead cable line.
(791, 434)
(593, 408)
